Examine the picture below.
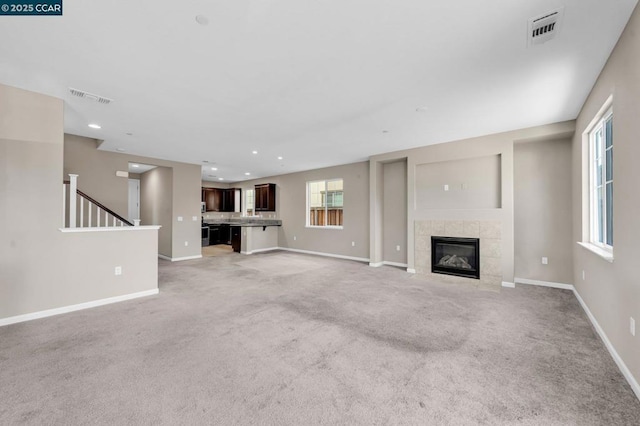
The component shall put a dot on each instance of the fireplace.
(456, 256)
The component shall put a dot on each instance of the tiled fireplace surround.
(490, 235)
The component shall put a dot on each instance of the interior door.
(134, 199)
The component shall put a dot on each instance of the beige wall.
(291, 193)
(542, 211)
(42, 268)
(156, 205)
(394, 215)
(612, 290)
(472, 183)
(491, 145)
(97, 178)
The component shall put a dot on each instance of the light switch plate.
(179, 218)
(446, 187)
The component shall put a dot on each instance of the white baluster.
(106, 219)
(73, 190)
(64, 204)
(98, 216)
(81, 212)
(90, 208)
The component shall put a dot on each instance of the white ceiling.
(319, 83)
(140, 168)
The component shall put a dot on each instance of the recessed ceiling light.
(254, 152)
(129, 134)
(202, 20)
(135, 165)
(422, 109)
(279, 158)
(95, 126)
(214, 168)
(120, 149)
(220, 178)
(247, 173)
(385, 131)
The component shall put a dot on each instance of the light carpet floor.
(289, 339)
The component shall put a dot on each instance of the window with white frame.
(601, 181)
(325, 199)
(249, 202)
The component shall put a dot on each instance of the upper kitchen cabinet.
(222, 200)
(231, 200)
(212, 197)
(265, 197)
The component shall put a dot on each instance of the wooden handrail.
(102, 206)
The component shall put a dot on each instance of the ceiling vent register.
(90, 96)
(545, 27)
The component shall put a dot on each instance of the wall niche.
(471, 183)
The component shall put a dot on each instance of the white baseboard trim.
(607, 343)
(507, 284)
(614, 354)
(318, 253)
(544, 283)
(260, 250)
(376, 264)
(178, 259)
(411, 270)
(78, 307)
(399, 265)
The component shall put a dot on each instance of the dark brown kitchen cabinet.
(212, 197)
(236, 238)
(265, 197)
(222, 200)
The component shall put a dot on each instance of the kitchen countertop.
(246, 222)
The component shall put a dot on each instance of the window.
(325, 200)
(249, 202)
(601, 181)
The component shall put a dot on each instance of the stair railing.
(103, 217)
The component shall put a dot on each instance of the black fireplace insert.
(456, 256)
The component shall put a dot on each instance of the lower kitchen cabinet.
(236, 238)
(214, 235)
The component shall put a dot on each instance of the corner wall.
(97, 178)
(42, 268)
(491, 145)
(156, 205)
(291, 193)
(542, 208)
(612, 290)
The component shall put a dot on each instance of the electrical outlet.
(194, 218)
(446, 187)
(179, 218)
(545, 261)
(584, 275)
(353, 243)
(186, 243)
(397, 248)
(632, 326)
(118, 270)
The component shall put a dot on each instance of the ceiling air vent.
(90, 96)
(544, 27)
